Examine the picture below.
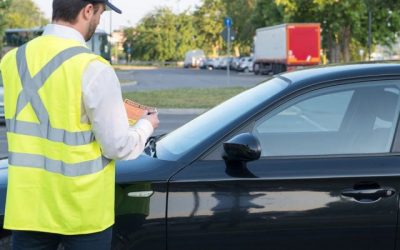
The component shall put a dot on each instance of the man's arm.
(103, 105)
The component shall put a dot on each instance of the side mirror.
(242, 148)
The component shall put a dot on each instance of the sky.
(132, 10)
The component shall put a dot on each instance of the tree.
(128, 43)
(267, 13)
(209, 19)
(385, 22)
(24, 14)
(162, 36)
(240, 11)
(186, 34)
(344, 23)
(4, 6)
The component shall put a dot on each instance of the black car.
(306, 160)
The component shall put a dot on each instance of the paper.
(135, 111)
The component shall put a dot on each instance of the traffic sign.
(232, 35)
(228, 22)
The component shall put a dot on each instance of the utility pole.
(228, 66)
(369, 32)
(228, 25)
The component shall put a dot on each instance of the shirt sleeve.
(103, 104)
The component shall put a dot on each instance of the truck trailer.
(286, 47)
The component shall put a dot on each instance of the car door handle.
(369, 195)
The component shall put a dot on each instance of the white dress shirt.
(102, 106)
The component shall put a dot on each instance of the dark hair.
(68, 10)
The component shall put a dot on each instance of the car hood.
(145, 168)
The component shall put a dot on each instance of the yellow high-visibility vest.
(58, 180)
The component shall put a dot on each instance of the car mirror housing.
(242, 148)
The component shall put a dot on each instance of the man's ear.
(88, 12)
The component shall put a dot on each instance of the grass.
(184, 98)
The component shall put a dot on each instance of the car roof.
(342, 72)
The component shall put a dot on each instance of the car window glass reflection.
(352, 119)
(171, 147)
(321, 113)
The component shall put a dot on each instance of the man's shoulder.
(99, 62)
(98, 66)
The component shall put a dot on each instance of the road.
(170, 78)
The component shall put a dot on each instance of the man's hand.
(153, 119)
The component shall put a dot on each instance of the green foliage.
(4, 6)
(240, 11)
(344, 23)
(209, 25)
(186, 34)
(24, 14)
(162, 36)
(267, 13)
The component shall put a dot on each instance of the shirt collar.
(64, 32)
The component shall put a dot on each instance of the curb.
(132, 83)
(133, 67)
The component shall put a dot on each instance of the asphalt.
(181, 111)
(173, 78)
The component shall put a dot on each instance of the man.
(65, 121)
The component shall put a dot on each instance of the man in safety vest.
(66, 123)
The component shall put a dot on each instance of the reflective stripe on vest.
(44, 130)
(71, 170)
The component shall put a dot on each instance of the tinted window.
(204, 126)
(321, 113)
(356, 118)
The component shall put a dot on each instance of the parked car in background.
(193, 58)
(214, 63)
(235, 63)
(246, 64)
(203, 63)
(307, 160)
(225, 62)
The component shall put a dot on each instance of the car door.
(327, 178)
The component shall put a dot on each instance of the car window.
(321, 113)
(351, 119)
(197, 131)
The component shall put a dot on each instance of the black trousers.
(26, 240)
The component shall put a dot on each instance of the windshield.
(177, 143)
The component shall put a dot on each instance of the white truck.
(286, 46)
(193, 58)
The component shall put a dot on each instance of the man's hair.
(68, 10)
